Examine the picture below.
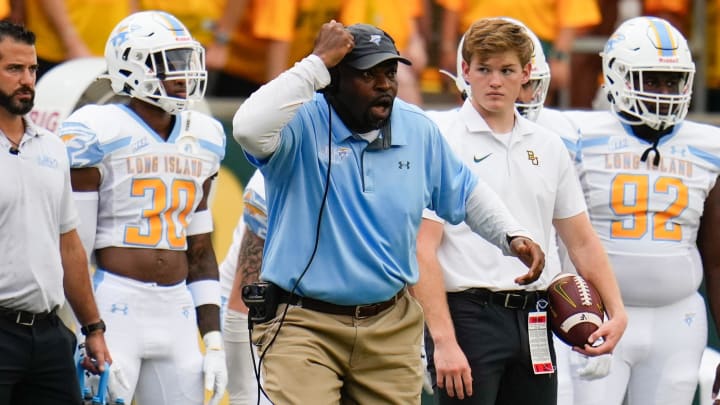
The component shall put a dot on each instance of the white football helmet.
(460, 83)
(539, 76)
(149, 47)
(638, 46)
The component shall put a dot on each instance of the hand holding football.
(576, 310)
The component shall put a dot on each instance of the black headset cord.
(307, 266)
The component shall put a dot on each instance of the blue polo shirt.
(366, 247)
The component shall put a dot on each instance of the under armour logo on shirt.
(404, 165)
(120, 307)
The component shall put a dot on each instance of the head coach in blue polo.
(349, 169)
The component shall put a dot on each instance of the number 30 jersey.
(149, 187)
(647, 216)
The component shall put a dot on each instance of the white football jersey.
(149, 187)
(556, 121)
(648, 216)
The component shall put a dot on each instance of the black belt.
(24, 317)
(357, 311)
(515, 299)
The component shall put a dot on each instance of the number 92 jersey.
(149, 187)
(648, 216)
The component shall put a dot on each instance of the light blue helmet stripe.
(173, 23)
(667, 44)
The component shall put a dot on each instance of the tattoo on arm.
(250, 257)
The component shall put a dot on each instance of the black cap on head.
(372, 47)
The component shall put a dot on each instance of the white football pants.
(656, 361)
(153, 338)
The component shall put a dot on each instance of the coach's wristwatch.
(90, 328)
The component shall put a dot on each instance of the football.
(576, 310)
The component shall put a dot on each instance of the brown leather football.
(576, 310)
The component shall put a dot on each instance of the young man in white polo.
(479, 349)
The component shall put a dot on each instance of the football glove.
(591, 367)
(214, 367)
(427, 377)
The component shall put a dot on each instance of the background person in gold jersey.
(401, 21)
(263, 38)
(69, 29)
(555, 22)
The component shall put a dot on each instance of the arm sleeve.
(487, 216)
(259, 120)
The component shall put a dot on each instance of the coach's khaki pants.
(319, 358)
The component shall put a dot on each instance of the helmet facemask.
(180, 64)
(652, 108)
(537, 86)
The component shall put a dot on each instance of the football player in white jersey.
(649, 178)
(241, 267)
(142, 172)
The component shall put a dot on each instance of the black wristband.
(90, 328)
